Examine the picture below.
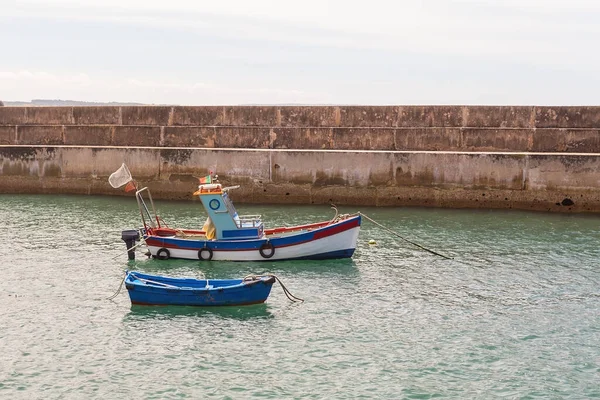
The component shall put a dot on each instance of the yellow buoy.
(372, 241)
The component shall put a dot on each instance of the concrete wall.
(426, 128)
(540, 158)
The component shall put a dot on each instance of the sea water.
(514, 314)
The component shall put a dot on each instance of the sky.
(370, 52)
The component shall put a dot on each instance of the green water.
(514, 315)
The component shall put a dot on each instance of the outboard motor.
(130, 237)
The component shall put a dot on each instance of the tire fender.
(267, 250)
(203, 251)
(163, 254)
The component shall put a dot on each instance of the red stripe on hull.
(337, 229)
(137, 303)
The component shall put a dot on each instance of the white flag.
(120, 177)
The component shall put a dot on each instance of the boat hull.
(336, 240)
(158, 290)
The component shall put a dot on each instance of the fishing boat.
(226, 235)
(156, 290)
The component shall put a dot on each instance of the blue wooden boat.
(157, 290)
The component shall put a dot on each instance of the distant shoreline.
(42, 102)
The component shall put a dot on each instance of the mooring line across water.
(403, 238)
(119, 289)
(288, 294)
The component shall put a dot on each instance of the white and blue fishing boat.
(156, 290)
(226, 235)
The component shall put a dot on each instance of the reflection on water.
(255, 311)
(239, 269)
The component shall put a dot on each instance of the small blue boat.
(158, 290)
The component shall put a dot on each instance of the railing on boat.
(147, 219)
(248, 221)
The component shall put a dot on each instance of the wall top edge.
(491, 153)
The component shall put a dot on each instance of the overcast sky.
(516, 52)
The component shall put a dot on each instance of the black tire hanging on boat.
(210, 254)
(267, 246)
(163, 254)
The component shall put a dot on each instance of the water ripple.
(513, 315)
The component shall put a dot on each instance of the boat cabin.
(223, 220)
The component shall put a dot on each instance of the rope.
(288, 294)
(406, 240)
(119, 289)
(334, 219)
(133, 248)
(181, 233)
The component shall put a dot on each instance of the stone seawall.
(539, 158)
(387, 128)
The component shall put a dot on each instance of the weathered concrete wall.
(386, 128)
(539, 158)
(550, 182)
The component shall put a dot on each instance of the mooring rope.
(119, 289)
(288, 294)
(132, 248)
(406, 240)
